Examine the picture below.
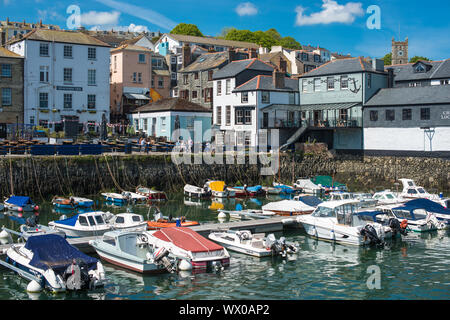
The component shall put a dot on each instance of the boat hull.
(77, 233)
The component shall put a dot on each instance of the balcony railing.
(351, 122)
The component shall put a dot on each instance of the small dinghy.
(288, 208)
(63, 203)
(197, 251)
(115, 198)
(54, 264)
(239, 192)
(159, 222)
(152, 195)
(219, 189)
(134, 197)
(257, 245)
(284, 189)
(20, 204)
(131, 250)
(272, 190)
(196, 192)
(83, 225)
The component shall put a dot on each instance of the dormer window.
(420, 68)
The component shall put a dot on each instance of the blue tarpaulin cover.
(372, 214)
(53, 251)
(19, 201)
(69, 221)
(426, 204)
(310, 200)
(285, 189)
(251, 189)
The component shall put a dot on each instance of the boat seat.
(258, 244)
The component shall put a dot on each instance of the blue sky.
(338, 25)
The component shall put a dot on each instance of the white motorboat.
(196, 192)
(55, 264)
(272, 190)
(83, 225)
(257, 245)
(184, 243)
(219, 189)
(287, 208)
(127, 221)
(338, 221)
(131, 250)
(412, 191)
(152, 195)
(366, 200)
(309, 187)
(387, 197)
(20, 204)
(417, 219)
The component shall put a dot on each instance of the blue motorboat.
(428, 206)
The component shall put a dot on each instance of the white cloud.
(332, 12)
(246, 9)
(100, 18)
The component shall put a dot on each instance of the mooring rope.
(112, 176)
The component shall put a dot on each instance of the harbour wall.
(43, 177)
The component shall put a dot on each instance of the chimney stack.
(278, 78)
(390, 77)
(282, 65)
(231, 55)
(186, 55)
(253, 53)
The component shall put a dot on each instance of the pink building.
(137, 77)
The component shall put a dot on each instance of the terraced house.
(196, 77)
(331, 102)
(11, 92)
(66, 80)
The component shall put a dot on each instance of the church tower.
(399, 51)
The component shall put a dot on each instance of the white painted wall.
(56, 63)
(406, 139)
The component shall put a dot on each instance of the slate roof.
(405, 72)
(61, 36)
(206, 61)
(132, 47)
(340, 66)
(411, 96)
(234, 68)
(265, 83)
(4, 53)
(212, 41)
(172, 104)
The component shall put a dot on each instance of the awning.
(136, 96)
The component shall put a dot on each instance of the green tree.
(187, 29)
(418, 58)
(264, 39)
(274, 34)
(387, 59)
(241, 35)
(290, 43)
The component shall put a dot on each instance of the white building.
(241, 89)
(66, 80)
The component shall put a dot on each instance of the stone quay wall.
(43, 177)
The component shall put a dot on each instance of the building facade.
(11, 92)
(408, 121)
(421, 73)
(11, 29)
(332, 98)
(163, 117)
(66, 80)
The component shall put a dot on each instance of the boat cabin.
(336, 196)
(126, 219)
(88, 219)
(345, 212)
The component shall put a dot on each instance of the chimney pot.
(187, 57)
(231, 55)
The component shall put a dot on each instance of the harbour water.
(415, 267)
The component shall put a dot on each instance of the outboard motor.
(397, 227)
(217, 266)
(370, 233)
(77, 276)
(161, 258)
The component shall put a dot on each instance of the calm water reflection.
(413, 268)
